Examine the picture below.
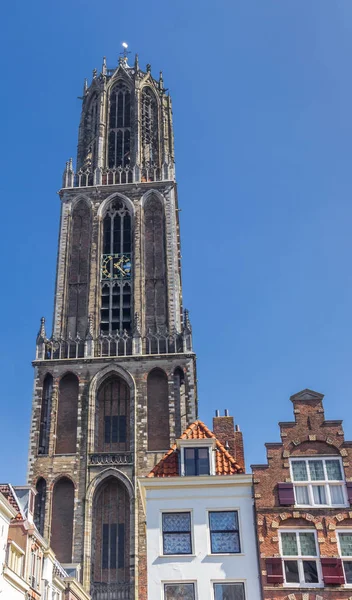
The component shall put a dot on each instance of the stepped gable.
(168, 466)
(7, 491)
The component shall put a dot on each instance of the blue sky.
(262, 101)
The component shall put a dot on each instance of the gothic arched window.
(155, 279)
(113, 416)
(44, 432)
(39, 506)
(116, 270)
(150, 143)
(111, 538)
(77, 311)
(66, 428)
(62, 519)
(158, 410)
(119, 145)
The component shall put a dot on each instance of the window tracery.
(116, 270)
(119, 144)
(150, 143)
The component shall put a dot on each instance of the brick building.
(303, 501)
(115, 383)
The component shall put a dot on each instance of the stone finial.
(103, 68)
(136, 63)
(41, 337)
(85, 86)
(187, 322)
(95, 73)
(161, 81)
(149, 68)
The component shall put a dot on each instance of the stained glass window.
(224, 532)
(229, 591)
(317, 476)
(299, 470)
(177, 533)
(333, 469)
(179, 591)
(316, 470)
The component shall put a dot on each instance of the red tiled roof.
(7, 491)
(169, 466)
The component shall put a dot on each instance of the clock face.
(116, 266)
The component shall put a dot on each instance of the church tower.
(115, 383)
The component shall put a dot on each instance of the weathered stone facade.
(309, 436)
(82, 359)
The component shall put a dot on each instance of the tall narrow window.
(158, 411)
(116, 270)
(44, 432)
(90, 133)
(113, 416)
(111, 534)
(119, 149)
(150, 143)
(77, 311)
(66, 429)
(299, 555)
(180, 401)
(155, 265)
(62, 519)
(39, 507)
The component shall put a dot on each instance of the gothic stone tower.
(115, 383)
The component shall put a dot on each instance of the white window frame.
(309, 483)
(344, 558)
(227, 509)
(299, 558)
(15, 558)
(228, 582)
(183, 582)
(209, 443)
(172, 511)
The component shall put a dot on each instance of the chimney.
(229, 436)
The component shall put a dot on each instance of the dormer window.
(196, 461)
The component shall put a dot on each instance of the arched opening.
(113, 416)
(119, 144)
(155, 267)
(78, 277)
(110, 575)
(180, 401)
(66, 427)
(116, 270)
(150, 142)
(45, 413)
(158, 411)
(39, 506)
(90, 129)
(62, 519)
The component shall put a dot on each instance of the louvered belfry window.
(116, 270)
(150, 144)
(119, 145)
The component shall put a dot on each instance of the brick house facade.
(115, 384)
(303, 501)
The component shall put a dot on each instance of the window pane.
(319, 494)
(225, 542)
(310, 571)
(223, 521)
(229, 591)
(316, 470)
(289, 544)
(203, 461)
(291, 571)
(336, 494)
(190, 461)
(179, 591)
(307, 542)
(176, 522)
(299, 470)
(346, 544)
(302, 496)
(333, 469)
(177, 543)
(348, 571)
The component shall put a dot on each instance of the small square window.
(177, 533)
(196, 461)
(229, 591)
(224, 532)
(179, 591)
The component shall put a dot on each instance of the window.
(149, 127)
(318, 482)
(113, 546)
(229, 591)
(224, 532)
(179, 591)
(345, 545)
(35, 572)
(15, 558)
(299, 553)
(119, 144)
(196, 461)
(115, 430)
(177, 533)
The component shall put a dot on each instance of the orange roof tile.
(168, 466)
(7, 491)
